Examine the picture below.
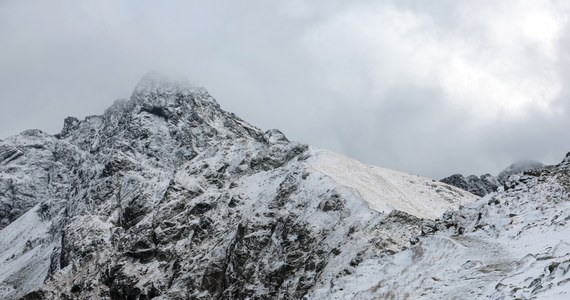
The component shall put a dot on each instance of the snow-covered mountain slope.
(167, 196)
(386, 190)
(25, 254)
(514, 244)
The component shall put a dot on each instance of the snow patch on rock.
(26, 247)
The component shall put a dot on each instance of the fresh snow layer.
(511, 245)
(24, 254)
(386, 190)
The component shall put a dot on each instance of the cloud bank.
(432, 88)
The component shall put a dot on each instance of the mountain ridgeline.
(167, 196)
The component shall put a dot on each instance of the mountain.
(167, 196)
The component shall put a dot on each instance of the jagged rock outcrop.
(517, 168)
(479, 186)
(167, 196)
(486, 184)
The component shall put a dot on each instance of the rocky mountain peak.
(162, 116)
(161, 95)
(167, 97)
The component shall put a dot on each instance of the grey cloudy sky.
(428, 87)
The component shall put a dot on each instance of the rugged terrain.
(487, 183)
(513, 244)
(167, 196)
(477, 185)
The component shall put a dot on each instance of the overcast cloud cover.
(428, 87)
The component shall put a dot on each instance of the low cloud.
(434, 89)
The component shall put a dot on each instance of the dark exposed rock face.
(486, 184)
(479, 186)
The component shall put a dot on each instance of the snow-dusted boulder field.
(167, 196)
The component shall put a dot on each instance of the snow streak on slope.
(25, 254)
(387, 190)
